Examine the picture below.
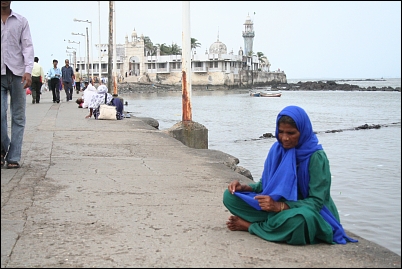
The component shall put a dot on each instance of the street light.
(92, 58)
(79, 51)
(69, 53)
(86, 54)
(75, 55)
(99, 49)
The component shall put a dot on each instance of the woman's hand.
(267, 203)
(234, 186)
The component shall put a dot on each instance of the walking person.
(38, 76)
(67, 78)
(54, 76)
(78, 80)
(17, 54)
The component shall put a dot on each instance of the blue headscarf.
(280, 178)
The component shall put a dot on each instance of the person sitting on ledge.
(291, 203)
(89, 91)
(99, 98)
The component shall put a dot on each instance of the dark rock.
(150, 121)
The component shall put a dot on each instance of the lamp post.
(92, 58)
(74, 54)
(79, 51)
(69, 53)
(99, 48)
(85, 53)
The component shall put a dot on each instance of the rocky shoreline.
(330, 85)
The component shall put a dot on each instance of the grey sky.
(328, 39)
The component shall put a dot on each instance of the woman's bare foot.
(236, 223)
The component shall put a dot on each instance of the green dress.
(300, 224)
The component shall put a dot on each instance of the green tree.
(175, 49)
(163, 49)
(149, 47)
(262, 60)
(195, 44)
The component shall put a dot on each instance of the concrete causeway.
(93, 193)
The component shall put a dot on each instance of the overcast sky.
(306, 39)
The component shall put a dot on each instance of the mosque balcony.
(200, 69)
(248, 34)
(158, 71)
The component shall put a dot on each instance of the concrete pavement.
(94, 193)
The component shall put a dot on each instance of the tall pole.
(80, 52)
(88, 57)
(114, 51)
(92, 56)
(186, 64)
(99, 48)
(110, 48)
(75, 59)
(79, 56)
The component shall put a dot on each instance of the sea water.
(365, 164)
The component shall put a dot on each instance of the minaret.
(248, 35)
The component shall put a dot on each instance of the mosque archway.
(134, 66)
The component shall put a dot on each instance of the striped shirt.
(17, 51)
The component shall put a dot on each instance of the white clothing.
(87, 96)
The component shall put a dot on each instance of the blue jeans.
(11, 84)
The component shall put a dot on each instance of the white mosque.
(216, 66)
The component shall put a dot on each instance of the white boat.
(264, 92)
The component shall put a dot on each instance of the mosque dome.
(218, 48)
(248, 20)
(134, 33)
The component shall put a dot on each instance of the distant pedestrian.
(48, 82)
(54, 76)
(67, 78)
(17, 55)
(38, 77)
(78, 80)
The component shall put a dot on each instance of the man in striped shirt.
(17, 59)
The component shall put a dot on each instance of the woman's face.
(288, 135)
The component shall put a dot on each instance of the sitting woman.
(292, 202)
(103, 97)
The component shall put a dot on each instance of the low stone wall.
(300, 86)
(329, 85)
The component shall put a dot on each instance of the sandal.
(3, 155)
(13, 165)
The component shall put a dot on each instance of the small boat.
(270, 94)
(255, 94)
(265, 94)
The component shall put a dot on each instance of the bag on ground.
(107, 112)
